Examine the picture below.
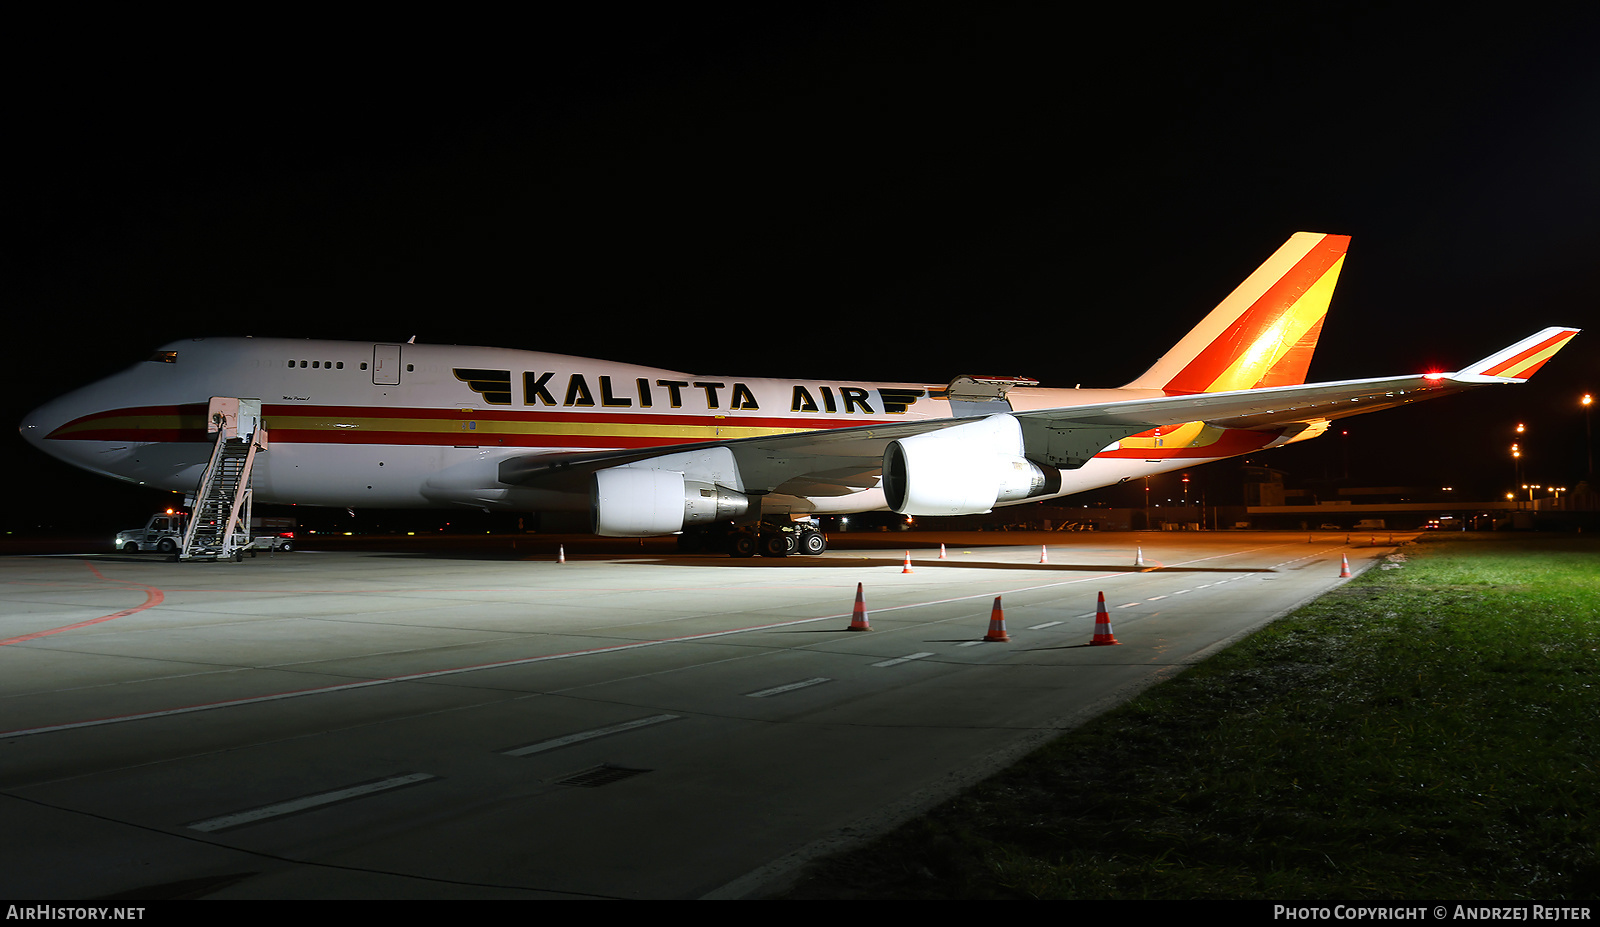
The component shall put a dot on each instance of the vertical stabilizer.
(1264, 332)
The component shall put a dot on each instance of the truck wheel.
(167, 545)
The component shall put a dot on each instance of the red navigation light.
(1433, 375)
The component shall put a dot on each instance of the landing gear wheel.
(742, 545)
(777, 544)
(813, 543)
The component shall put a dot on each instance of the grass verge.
(1426, 731)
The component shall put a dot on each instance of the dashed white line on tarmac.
(905, 659)
(570, 739)
(779, 690)
(309, 802)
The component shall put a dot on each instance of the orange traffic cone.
(941, 551)
(1043, 557)
(1138, 556)
(1344, 567)
(908, 564)
(561, 553)
(1102, 625)
(858, 616)
(997, 625)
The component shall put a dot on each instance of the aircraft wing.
(836, 461)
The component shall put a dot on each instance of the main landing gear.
(769, 539)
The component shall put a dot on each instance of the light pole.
(1588, 433)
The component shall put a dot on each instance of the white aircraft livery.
(746, 460)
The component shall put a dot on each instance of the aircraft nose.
(37, 426)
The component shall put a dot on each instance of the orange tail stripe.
(1259, 321)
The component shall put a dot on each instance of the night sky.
(857, 192)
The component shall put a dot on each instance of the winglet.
(1518, 362)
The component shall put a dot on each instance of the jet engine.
(631, 502)
(964, 470)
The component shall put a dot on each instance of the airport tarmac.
(628, 724)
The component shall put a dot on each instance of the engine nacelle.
(632, 502)
(964, 470)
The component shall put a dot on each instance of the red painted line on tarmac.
(432, 674)
(409, 677)
(155, 597)
(152, 598)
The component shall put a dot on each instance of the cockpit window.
(164, 357)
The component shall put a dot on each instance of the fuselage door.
(386, 364)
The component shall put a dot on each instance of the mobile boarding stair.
(218, 527)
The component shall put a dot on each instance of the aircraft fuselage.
(418, 425)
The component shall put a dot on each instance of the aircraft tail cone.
(908, 564)
(1344, 567)
(1102, 625)
(858, 616)
(997, 625)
